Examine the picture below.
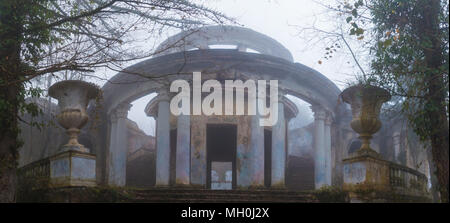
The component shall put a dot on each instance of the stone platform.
(221, 196)
(164, 195)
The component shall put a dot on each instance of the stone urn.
(73, 97)
(366, 102)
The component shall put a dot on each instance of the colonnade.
(118, 146)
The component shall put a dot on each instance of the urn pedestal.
(365, 171)
(72, 168)
(74, 165)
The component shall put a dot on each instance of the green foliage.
(404, 37)
(97, 194)
(400, 58)
(330, 194)
(409, 47)
(17, 16)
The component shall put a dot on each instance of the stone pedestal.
(365, 177)
(366, 171)
(72, 168)
(369, 178)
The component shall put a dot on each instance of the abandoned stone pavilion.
(225, 152)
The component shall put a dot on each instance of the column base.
(279, 185)
(163, 186)
(257, 187)
(178, 185)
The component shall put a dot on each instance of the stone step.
(250, 191)
(232, 196)
(197, 200)
(223, 196)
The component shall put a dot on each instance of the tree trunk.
(8, 152)
(10, 96)
(436, 110)
(9, 131)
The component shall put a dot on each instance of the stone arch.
(148, 76)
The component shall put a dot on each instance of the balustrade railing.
(35, 174)
(402, 177)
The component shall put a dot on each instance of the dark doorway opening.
(221, 141)
(173, 156)
(267, 157)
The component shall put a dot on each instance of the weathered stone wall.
(138, 141)
(46, 141)
(301, 141)
(198, 147)
(43, 142)
(141, 171)
(300, 161)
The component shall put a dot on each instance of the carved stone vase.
(366, 102)
(73, 97)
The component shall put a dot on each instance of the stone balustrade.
(65, 169)
(37, 172)
(404, 178)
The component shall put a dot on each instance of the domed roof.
(242, 38)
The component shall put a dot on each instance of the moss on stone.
(330, 194)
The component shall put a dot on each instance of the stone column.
(279, 147)
(163, 140)
(111, 154)
(183, 168)
(328, 162)
(397, 146)
(118, 146)
(319, 146)
(198, 152)
(256, 152)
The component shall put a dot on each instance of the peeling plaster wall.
(198, 151)
(137, 140)
(198, 147)
(301, 141)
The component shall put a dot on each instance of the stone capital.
(396, 138)
(121, 110)
(163, 95)
(328, 119)
(319, 112)
(113, 117)
(281, 96)
(396, 135)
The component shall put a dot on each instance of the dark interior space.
(267, 157)
(141, 171)
(173, 150)
(355, 145)
(221, 143)
(300, 173)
